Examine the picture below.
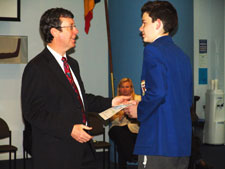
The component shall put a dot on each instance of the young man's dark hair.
(164, 11)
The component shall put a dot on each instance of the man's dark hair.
(51, 19)
(164, 11)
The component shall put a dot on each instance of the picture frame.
(9, 10)
(14, 49)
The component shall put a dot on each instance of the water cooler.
(214, 127)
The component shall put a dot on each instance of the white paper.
(113, 110)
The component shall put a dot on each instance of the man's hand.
(131, 111)
(79, 134)
(120, 100)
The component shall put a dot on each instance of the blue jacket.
(164, 112)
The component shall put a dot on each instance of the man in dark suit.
(56, 106)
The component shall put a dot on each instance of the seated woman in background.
(124, 130)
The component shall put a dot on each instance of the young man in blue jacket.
(164, 139)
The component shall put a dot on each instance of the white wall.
(209, 16)
(91, 52)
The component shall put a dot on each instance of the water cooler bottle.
(214, 127)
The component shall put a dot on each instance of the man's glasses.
(71, 27)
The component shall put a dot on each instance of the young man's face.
(148, 29)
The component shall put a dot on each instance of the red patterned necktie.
(70, 78)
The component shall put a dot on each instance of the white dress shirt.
(58, 58)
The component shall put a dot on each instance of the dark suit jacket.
(51, 106)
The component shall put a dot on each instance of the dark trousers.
(89, 158)
(125, 141)
(161, 162)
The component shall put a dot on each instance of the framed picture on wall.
(13, 49)
(9, 10)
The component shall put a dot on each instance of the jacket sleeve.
(93, 103)
(97, 103)
(154, 71)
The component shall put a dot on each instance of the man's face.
(67, 36)
(148, 28)
(125, 89)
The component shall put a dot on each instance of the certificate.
(113, 110)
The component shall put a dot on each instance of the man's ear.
(54, 32)
(159, 24)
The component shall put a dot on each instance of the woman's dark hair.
(51, 19)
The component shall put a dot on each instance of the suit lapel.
(77, 74)
(57, 71)
(74, 66)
